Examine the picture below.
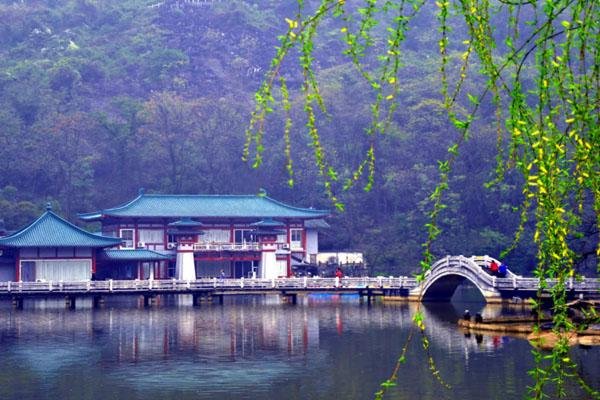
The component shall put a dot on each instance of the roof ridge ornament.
(48, 206)
(262, 192)
(141, 191)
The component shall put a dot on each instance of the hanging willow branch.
(541, 64)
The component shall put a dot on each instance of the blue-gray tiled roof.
(205, 206)
(133, 255)
(268, 222)
(316, 224)
(50, 230)
(186, 222)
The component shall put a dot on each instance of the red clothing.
(338, 273)
(493, 267)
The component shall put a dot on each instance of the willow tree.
(540, 63)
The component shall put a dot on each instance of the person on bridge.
(502, 270)
(494, 267)
(339, 273)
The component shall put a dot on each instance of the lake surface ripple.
(325, 347)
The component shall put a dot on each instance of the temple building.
(167, 236)
(208, 236)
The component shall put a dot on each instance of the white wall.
(312, 242)
(281, 268)
(269, 268)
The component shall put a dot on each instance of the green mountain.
(100, 98)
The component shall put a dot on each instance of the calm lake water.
(325, 347)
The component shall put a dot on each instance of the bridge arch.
(448, 273)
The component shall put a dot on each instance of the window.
(215, 236)
(127, 236)
(244, 269)
(171, 269)
(296, 238)
(56, 270)
(28, 271)
(151, 236)
(243, 236)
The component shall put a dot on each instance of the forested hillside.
(101, 98)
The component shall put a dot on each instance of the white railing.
(227, 247)
(588, 285)
(174, 285)
(583, 285)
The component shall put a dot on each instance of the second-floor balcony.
(246, 246)
(249, 246)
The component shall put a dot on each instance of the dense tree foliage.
(98, 99)
(541, 65)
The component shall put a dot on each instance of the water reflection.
(325, 347)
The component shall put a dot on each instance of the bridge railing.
(303, 283)
(174, 285)
(532, 284)
(476, 269)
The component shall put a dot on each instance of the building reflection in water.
(233, 331)
(243, 327)
(247, 342)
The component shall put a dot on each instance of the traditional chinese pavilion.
(51, 249)
(207, 236)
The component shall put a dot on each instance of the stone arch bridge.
(451, 271)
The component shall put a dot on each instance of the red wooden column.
(136, 234)
(18, 266)
(93, 262)
(304, 242)
(288, 231)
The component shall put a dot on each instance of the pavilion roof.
(133, 255)
(186, 222)
(316, 224)
(267, 223)
(50, 230)
(205, 206)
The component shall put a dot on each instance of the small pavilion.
(52, 249)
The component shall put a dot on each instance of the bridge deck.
(217, 286)
(375, 286)
(443, 277)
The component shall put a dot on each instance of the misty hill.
(98, 99)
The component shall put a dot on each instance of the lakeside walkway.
(439, 285)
